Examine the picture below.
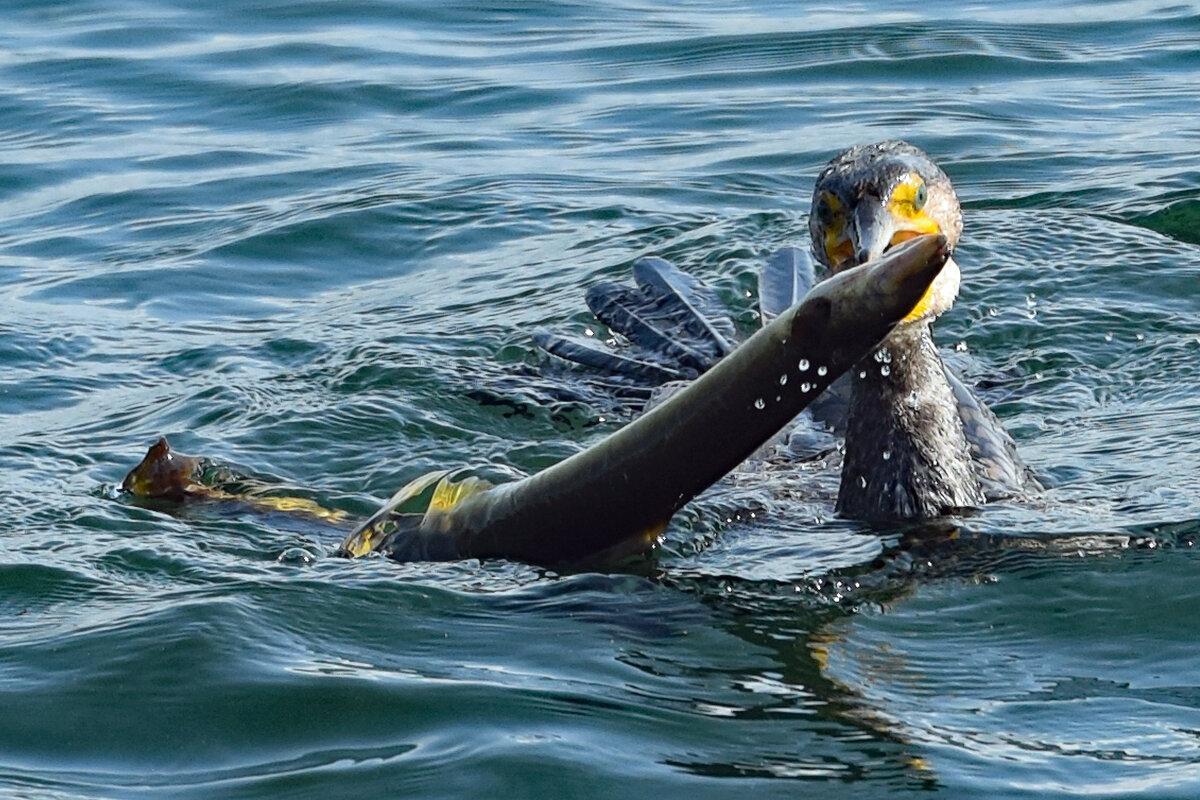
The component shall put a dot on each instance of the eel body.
(616, 497)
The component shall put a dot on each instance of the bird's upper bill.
(873, 197)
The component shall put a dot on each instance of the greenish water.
(298, 237)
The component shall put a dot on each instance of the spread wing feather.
(997, 464)
(783, 282)
(607, 361)
(648, 321)
(694, 306)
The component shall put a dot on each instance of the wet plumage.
(918, 442)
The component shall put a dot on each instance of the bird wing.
(997, 464)
(783, 282)
(677, 327)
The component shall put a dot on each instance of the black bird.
(918, 442)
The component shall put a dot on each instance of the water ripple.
(311, 240)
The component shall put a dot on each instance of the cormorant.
(918, 442)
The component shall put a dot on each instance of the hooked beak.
(871, 231)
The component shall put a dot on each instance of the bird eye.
(920, 196)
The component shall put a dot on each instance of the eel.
(615, 498)
(168, 474)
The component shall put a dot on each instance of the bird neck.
(907, 456)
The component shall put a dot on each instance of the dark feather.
(997, 464)
(607, 361)
(832, 406)
(650, 322)
(700, 311)
(787, 277)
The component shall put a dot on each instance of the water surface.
(300, 237)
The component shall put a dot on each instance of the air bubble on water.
(1108, 337)
(993, 311)
(822, 370)
(1030, 300)
(783, 380)
(883, 355)
(806, 387)
(1141, 337)
(885, 370)
(760, 404)
(296, 555)
(803, 365)
(862, 373)
(588, 332)
(961, 347)
(887, 455)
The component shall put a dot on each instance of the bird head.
(872, 197)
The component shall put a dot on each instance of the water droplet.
(961, 347)
(1108, 337)
(806, 387)
(887, 455)
(885, 370)
(1141, 337)
(760, 404)
(862, 373)
(822, 370)
(588, 332)
(883, 356)
(862, 481)
(783, 380)
(804, 365)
